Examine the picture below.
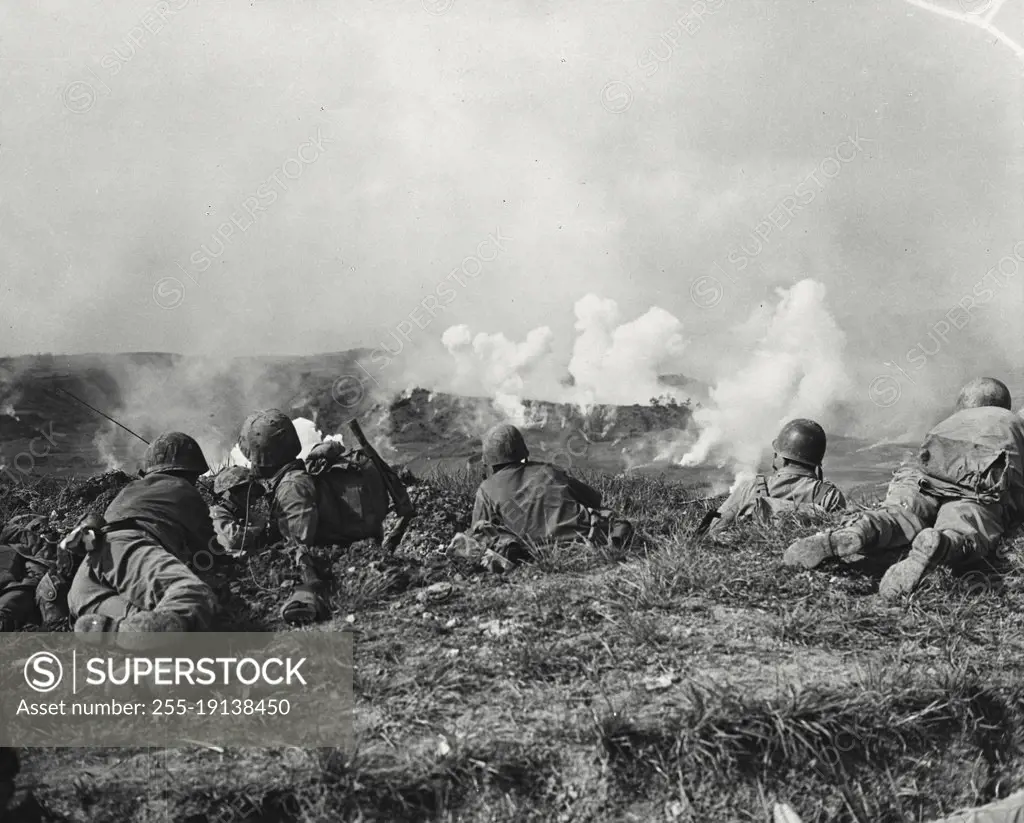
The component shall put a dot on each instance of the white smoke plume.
(620, 364)
(611, 362)
(104, 450)
(797, 369)
(496, 366)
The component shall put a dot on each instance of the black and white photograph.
(491, 411)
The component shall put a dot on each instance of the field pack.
(352, 495)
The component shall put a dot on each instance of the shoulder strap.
(761, 486)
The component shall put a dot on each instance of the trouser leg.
(903, 514)
(91, 595)
(971, 529)
(17, 607)
(146, 577)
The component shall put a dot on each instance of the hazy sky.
(397, 137)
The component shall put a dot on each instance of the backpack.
(352, 495)
(979, 471)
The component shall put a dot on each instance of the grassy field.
(682, 682)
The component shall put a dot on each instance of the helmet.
(174, 451)
(269, 439)
(504, 444)
(801, 440)
(983, 391)
(234, 476)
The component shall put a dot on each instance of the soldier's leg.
(971, 529)
(963, 532)
(904, 512)
(152, 579)
(17, 607)
(91, 595)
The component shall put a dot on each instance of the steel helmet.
(504, 444)
(269, 439)
(234, 476)
(174, 451)
(801, 440)
(983, 391)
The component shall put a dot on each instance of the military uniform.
(141, 563)
(237, 526)
(233, 535)
(794, 483)
(294, 505)
(270, 442)
(536, 502)
(968, 483)
(950, 506)
(19, 577)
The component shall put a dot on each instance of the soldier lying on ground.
(522, 504)
(335, 498)
(28, 557)
(796, 484)
(236, 522)
(136, 576)
(950, 506)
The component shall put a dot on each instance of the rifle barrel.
(103, 414)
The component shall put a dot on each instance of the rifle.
(404, 507)
(103, 414)
(709, 518)
(698, 500)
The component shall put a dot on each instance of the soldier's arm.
(587, 495)
(832, 498)
(483, 509)
(295, 503)
(229, 533)
(730, 509)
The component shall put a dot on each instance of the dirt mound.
(65, 500)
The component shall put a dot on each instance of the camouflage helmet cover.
(174, 451)
(269, 439)
(801, 440)
(504, 444)
(984, 391)
(234, 476)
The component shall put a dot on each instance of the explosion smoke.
(620, 364)
(797, 369)
(611, 363)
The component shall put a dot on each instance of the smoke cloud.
(213, 196)
(620, 364)
(796, 369)
(611, 362)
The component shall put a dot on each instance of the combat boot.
(929, 549)
(809, 552)
(139, 632)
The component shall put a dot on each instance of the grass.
(682, 681)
